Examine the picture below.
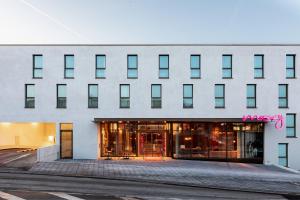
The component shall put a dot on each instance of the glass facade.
(242, 142)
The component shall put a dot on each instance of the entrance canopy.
(170, 119)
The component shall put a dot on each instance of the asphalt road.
(17, 158)
(27, 186)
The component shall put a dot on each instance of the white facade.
(16, 69)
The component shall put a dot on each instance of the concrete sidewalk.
(235, 176)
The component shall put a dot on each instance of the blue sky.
(149, 21)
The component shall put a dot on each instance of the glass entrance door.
(66, 140)
(152, 144)
(66, 144)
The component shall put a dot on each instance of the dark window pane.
(125, 103)
(188, 102)
(156, 103)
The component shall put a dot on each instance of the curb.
(287, 169)
(260, 191)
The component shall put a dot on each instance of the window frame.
(36, 68)
(286, 97)
(198, 68)
(251, 97)
(68, 68)
(227, 68)
(137, 66)
(224, 94)
(89, 97)
(57, 97)
(294, 126)
(120, 104)
(287, 154)
(262, 68)
(156, 98)
(159, 67)
(100, 68)
(288, 68)
(183, 97)
(26, 97)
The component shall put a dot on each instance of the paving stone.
(201, 173)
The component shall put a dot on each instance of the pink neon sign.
(278, 119)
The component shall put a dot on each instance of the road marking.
(128, 198)
(17, 158)
(7, 196)
(64, 196)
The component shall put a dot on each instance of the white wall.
(16, 70)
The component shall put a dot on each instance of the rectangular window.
(37, 66)
(132, 66)
(251, 95)
(195, 66)
(258, 66)
(187, 96)
(219, 96)
(61, 101)
(290, 66)
(283, 96)
(156, 96)
(124, 96)
(69, 66)
(93, 96)
(29, 96)
(227, 66)
(100, 66)
(291, 125)
(163, 66)
(283, 154)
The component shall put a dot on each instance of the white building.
(180, 101)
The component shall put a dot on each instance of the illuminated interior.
(187, 140)
(26, 135)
